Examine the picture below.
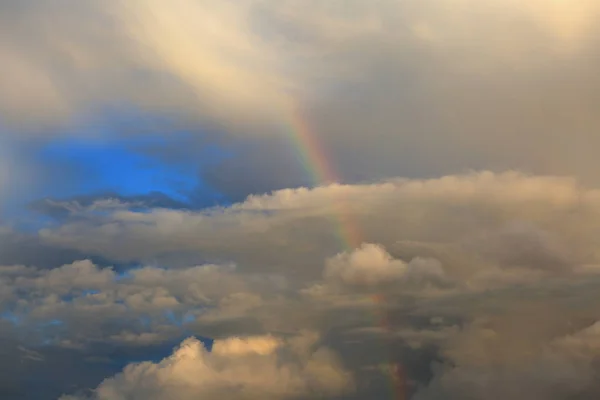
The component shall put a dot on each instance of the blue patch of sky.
(145, 321)
(188, 318)
(78, 294)
(115, 166)
(172, 318)
(127, 273)
(11, 317)
(208, 342)
(53, 322)
(123, 275)
(68, 297)
(154, 353)
(102, 157)
(179, 319)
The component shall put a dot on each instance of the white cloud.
(371, 265)
(239, 347)
(236, 368)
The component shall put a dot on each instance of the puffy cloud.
(368, 265)
(237, 346)
(236, 368)
(468, 273)
(371, 265)
(70, 305)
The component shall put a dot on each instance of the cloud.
(444, 78)
(466, 282)
(522, 244)
(470, 223)
(371, 265)
(59, 209)
(237, 368)
(476, 271)
(19, 248)
(70, 305)
(556, 368)
(69, 64)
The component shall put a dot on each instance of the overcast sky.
(299, 199)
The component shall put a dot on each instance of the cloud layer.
(467, 286)
(242, 58)
(508, 220)
(426, 88)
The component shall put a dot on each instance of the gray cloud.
(472, 282)
(18, 248)
(425, 88)
(63, 208)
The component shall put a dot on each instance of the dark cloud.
(383, 90)
(32, 371)
(61, 209)
(27, 249)
(262, 165)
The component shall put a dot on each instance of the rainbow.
(321, 172)
(316, 162)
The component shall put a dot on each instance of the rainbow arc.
(322, 172)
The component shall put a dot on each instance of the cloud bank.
(466, 286)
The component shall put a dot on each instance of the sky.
(299, 199)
